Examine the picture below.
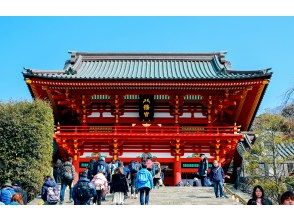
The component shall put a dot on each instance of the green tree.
(288, 113)
(263, 164)
(26, 132)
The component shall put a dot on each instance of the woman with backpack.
(68, 175)
(119, 186)
(50, 191)
(101, 184)
(134, 167)
(144, 183)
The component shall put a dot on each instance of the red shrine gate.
(174, 106)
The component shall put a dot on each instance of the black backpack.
(101, 168)
(84, 192)
(67, 173)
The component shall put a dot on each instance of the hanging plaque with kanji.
(146, 107)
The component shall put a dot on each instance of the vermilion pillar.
(177, 171)
(76, 161)
(177, 163)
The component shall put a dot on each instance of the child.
(101, 185)
(217, 177)
(119, 186)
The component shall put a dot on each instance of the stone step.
(181, 196)
(173, 196)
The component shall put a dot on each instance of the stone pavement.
(172, 196)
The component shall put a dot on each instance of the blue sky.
(43, 43)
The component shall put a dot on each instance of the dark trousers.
(133, 189)
(218, 188)
(97, 199)
(57, 177)
(156, 182)
(144, 195)
(202, 179)
(62, 191)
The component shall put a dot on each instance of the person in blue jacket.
(49, 182)
(7, 192)
(217, 176)
(144, 183)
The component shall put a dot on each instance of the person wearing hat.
(7, 192)
(202, 170)
(83, 191)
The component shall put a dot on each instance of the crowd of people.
(100, 179)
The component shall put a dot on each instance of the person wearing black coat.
(57, 171)
(118, 186)
(83, 197)
(202, 170)
(91, 172)
(258, 197)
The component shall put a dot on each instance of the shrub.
(26, 132)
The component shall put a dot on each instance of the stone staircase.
(182, 196)
(172, 196)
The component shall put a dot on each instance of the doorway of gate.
(167, 170)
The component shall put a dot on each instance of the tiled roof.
(286, 150)
(147, 66)
(245, 144)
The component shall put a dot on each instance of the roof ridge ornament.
(70, 71)
(28, 71)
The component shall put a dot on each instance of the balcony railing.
(149, 129)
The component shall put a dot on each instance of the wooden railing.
(153, 129)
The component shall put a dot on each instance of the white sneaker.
(136, 196)
(132, 196)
